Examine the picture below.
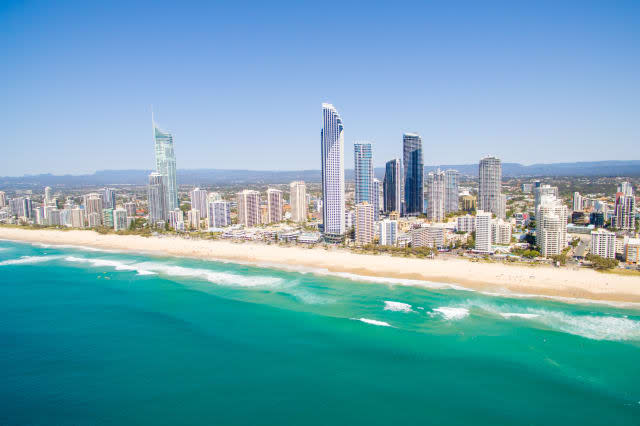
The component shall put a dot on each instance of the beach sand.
(541, 280)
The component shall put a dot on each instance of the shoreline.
(517, 280)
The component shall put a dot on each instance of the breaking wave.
(373, 322)
(28, 260)
(450, 313)
(397, 306)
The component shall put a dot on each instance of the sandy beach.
(491, 277)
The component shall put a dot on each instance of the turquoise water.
(94, 337)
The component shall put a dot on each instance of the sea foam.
(28, 260)
(397, 306)
(450, 313)
(373, 322)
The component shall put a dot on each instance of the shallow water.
(98, 337)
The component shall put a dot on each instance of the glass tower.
(413, 173)
(363, 169)
(166, 165)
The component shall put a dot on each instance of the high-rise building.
(490, 186)
(500, 232)
(413, 165)
(107, 218)
(166, 166)
(214, 196)
(119, 219)
(3, 199)
(469, 203)
(108, 198)
(364, 223)
(578, 202)
(332, 149)
(174, 218)
(540, 191)
(298, 201)
(219, 214)
(466, 223)
(94, 219)
(435, 194)
(632, 250)
(54, 217)
(363, 172)
(93, 204)
(393, 186)
(47, 195)
(275, 205)
(130, 207)
(193, 218)
(451, 191)
(428, 236)
(248, 207)
(77, 218)
(483, 232)
(625, 188)
(199, 201)
(388, 231)
(157, 199)
(603, 243)
(376, 199)
(625, 208)
(551, 226)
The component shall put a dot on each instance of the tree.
(601, 263)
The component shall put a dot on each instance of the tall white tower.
(332, 149)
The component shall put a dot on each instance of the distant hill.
(240, 177)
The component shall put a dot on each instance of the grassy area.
(617, 271)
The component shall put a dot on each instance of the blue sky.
(240, 84)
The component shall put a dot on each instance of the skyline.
(560, 88)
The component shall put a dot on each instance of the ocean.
(94, 337)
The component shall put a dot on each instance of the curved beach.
(491, 277)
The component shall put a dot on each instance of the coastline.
(541, 281)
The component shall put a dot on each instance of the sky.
(240, 84)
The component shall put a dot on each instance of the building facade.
(219, 215)
(603, 243)
(413, 165)
(248, 208)
(388, 231)
(156, 197)
(363, 172)
(199, 201)
(490, 186)
(364, 231)
(332, 165)
(166, 166)
(392, 186)
(275, 205)
(298, 201)
(483, 232)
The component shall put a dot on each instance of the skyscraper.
(363, 172)
(364, 223)
(435, 190)
(248, 207)
(451, 191)
(483, 232)
(332, 158)
(219, 214)
(47, 195)
(388, 231)
(199, 201)
(119, 219)
(413, 164)
(490, 186)
(275, 205)
(108, 198)
(376, 198)
(3, 199)
(551, 226)
(166, 165)
(603, 243)
(393, 186)
(578, 202)
(156, 198)
(298, 201)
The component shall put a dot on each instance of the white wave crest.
(117, 265)
(397, 306)
(28, 260)
(452, 313)
(373, 322)
(591, 326)
(74, 247)
(518, 315)
(150, 268)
